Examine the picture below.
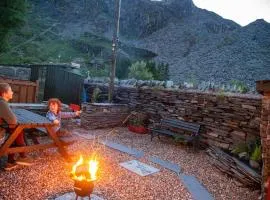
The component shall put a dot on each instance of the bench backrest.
(187, 126)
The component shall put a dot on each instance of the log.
(235, 168)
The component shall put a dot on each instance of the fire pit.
(84, 174)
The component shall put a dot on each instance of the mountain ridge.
(198, 44)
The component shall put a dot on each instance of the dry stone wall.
(15, 72)
(228, 119)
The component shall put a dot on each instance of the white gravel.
(49, 177)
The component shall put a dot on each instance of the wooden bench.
(186, 131)
(34, 134)
(30, 120)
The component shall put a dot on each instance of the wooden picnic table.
(28, 120)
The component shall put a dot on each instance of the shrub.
(138, 119)
(95, 95)
(139, 71)
(240, 148)
(257, 153)
(159, 71)
(239, 86)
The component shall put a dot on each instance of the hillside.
(206, 47)
(197, 44)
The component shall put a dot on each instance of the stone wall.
(15, 72)
(103, 115)
(228, 119)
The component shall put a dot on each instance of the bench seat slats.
(181, 124)
(190, 124)
(169, 126)
(170, 133)
(178, 129)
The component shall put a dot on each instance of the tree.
(139, 71)
(159, 71)
(12, 16)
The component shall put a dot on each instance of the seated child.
(55, 115)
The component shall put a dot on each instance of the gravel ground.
(49, 176)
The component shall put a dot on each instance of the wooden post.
(58, 143)
(117, 6)
(11, 139)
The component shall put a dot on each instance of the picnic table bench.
(180, 130)
(30, 120)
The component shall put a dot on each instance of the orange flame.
(89, 174)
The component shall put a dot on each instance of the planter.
(137, 129)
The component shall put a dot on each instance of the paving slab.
(72, 196)
(139, 168)
(85, 136)
(120, 147)
(195, 188)
(166, 164)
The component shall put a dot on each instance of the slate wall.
(228, 119)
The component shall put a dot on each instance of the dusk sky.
(242, 12)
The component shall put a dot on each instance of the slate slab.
(166, 164)
(72, 196)
(196, 189)
(85, 136)
(120, 147)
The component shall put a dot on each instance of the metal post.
(117, 8)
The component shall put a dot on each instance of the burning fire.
(83, 170)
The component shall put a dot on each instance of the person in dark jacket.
(8, 122)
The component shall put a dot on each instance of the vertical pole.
(117, 6)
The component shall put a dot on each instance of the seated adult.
(8, 118)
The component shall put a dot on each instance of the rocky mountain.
(205, 47)
(197, 44)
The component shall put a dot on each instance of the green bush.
(240, 87)
(96, 95)
(101, 71)
(159, 71)
(139, 71)
(240, 148)
(257, 153)
(252, 148)
(12, 15)
(138, 119)
(136, 122)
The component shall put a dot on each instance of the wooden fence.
(24, 91)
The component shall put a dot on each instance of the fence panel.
(24, 91)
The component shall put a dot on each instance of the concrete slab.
(139, 168)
